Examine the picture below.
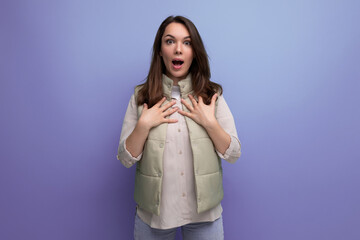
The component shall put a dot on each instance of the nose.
(178, 49)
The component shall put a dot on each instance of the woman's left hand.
(200, 112)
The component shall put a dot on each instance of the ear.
(160, 53)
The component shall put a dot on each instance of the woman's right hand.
(149, 118)
(154, 116)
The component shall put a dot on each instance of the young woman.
(176, 129)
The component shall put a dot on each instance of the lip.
(178, 59)
(177, 67)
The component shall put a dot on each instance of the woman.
(176, 129)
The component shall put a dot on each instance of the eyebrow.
(169, 35)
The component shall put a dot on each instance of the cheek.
(190, 59)
(163, 57)
(165, 51)
(190, 55)
(166, 60)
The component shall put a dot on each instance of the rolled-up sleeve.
(128, 126)
(226, 121)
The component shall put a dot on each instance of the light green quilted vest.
(207, 164)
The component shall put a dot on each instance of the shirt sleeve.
(226, 121)
(128, 126)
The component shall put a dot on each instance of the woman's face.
(176, 51)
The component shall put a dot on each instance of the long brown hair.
(151, 91)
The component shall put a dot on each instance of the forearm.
(136, 140)
(219, 137)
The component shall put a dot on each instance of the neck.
(176, 80)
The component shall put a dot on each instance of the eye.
(187, 43)
(169, 41)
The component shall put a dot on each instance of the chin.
(179, 74)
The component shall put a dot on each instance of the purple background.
(290, 72)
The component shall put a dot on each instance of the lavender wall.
(290, 71)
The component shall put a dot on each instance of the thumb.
(213, 99)
(145, 107)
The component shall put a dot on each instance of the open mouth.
(177, 62)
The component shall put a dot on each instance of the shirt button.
(161, 145)
(183, 194)
(180, 152)
(179, 130)
(182, 173)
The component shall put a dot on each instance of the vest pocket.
(151, 162)
(206, 160)
(209, 191)
(147, 192)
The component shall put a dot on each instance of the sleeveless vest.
(207, 164)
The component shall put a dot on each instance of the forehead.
(178, 30)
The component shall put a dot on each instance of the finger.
(214, 97)
(170, 120)
(170, 111)
(201, 99)
(192, 100)
(168, 105)
(145, 107)
(158, 104)
(187, 105)
(187, 114)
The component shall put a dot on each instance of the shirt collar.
(185, 86)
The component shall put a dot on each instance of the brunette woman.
(177, 128)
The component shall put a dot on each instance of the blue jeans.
(193, 231)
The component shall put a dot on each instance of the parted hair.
(151, 91)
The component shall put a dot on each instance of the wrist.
(142, 127)
(211, 125)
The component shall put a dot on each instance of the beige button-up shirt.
(178, 197)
